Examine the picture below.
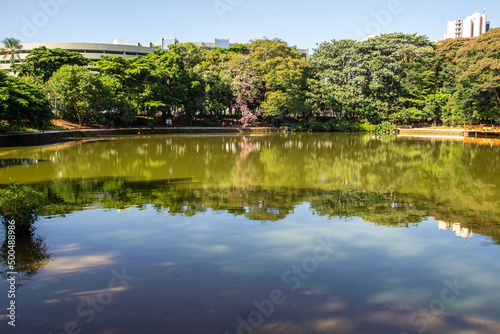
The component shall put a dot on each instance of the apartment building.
(472, 26)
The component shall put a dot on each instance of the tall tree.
(114, 73)
(42, 62)
(22, 102)
(385, 62)
(195, 95)
(157, 83)
(191, 54)
(283, 73)
(167, 84)
(285, 83)
(333, 69)
(219, 55)
(217, 86)
(478, 77)
(446, 53)
(82, 93)
(422, 99)
(247, 88)
(262, 50)
(11, 48)
(368, 78)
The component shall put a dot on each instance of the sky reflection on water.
(182, 264)
(196, 256)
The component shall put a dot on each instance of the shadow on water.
(31, 255)
(5, 163)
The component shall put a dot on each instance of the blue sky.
(301, 23)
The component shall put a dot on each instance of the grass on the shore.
(61, 124)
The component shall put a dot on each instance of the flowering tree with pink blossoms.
(247, 88)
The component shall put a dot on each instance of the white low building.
(120, 47)
(92, 51)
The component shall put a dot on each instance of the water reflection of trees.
(31, 254)
(383, 180)
(181, 197)
(390, 209)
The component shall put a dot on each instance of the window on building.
(222, 43)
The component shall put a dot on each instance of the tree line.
(397, 78)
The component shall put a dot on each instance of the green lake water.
(306, 233)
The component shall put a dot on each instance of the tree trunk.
(498, 96)
(166, 113)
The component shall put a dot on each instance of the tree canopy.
(400, 78)
(21, 102)
(81, 92)
(476, 64)
(42, 62)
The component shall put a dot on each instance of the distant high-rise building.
(473, 26)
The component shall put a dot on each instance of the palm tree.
(11, 47)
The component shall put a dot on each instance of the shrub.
(364, 128)
(386, 127)
(314, 126)
(333, 125)
(22, 205)
(299, 127)
(339, 125)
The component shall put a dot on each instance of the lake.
(263, 233)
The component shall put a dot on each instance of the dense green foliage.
(21, 204)
(473, 77)
(369, 78)
(20, 207)
(81, 92)
(398, 78)
(42, 62)
(154, 84)
(22, 101)
(406, 79)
